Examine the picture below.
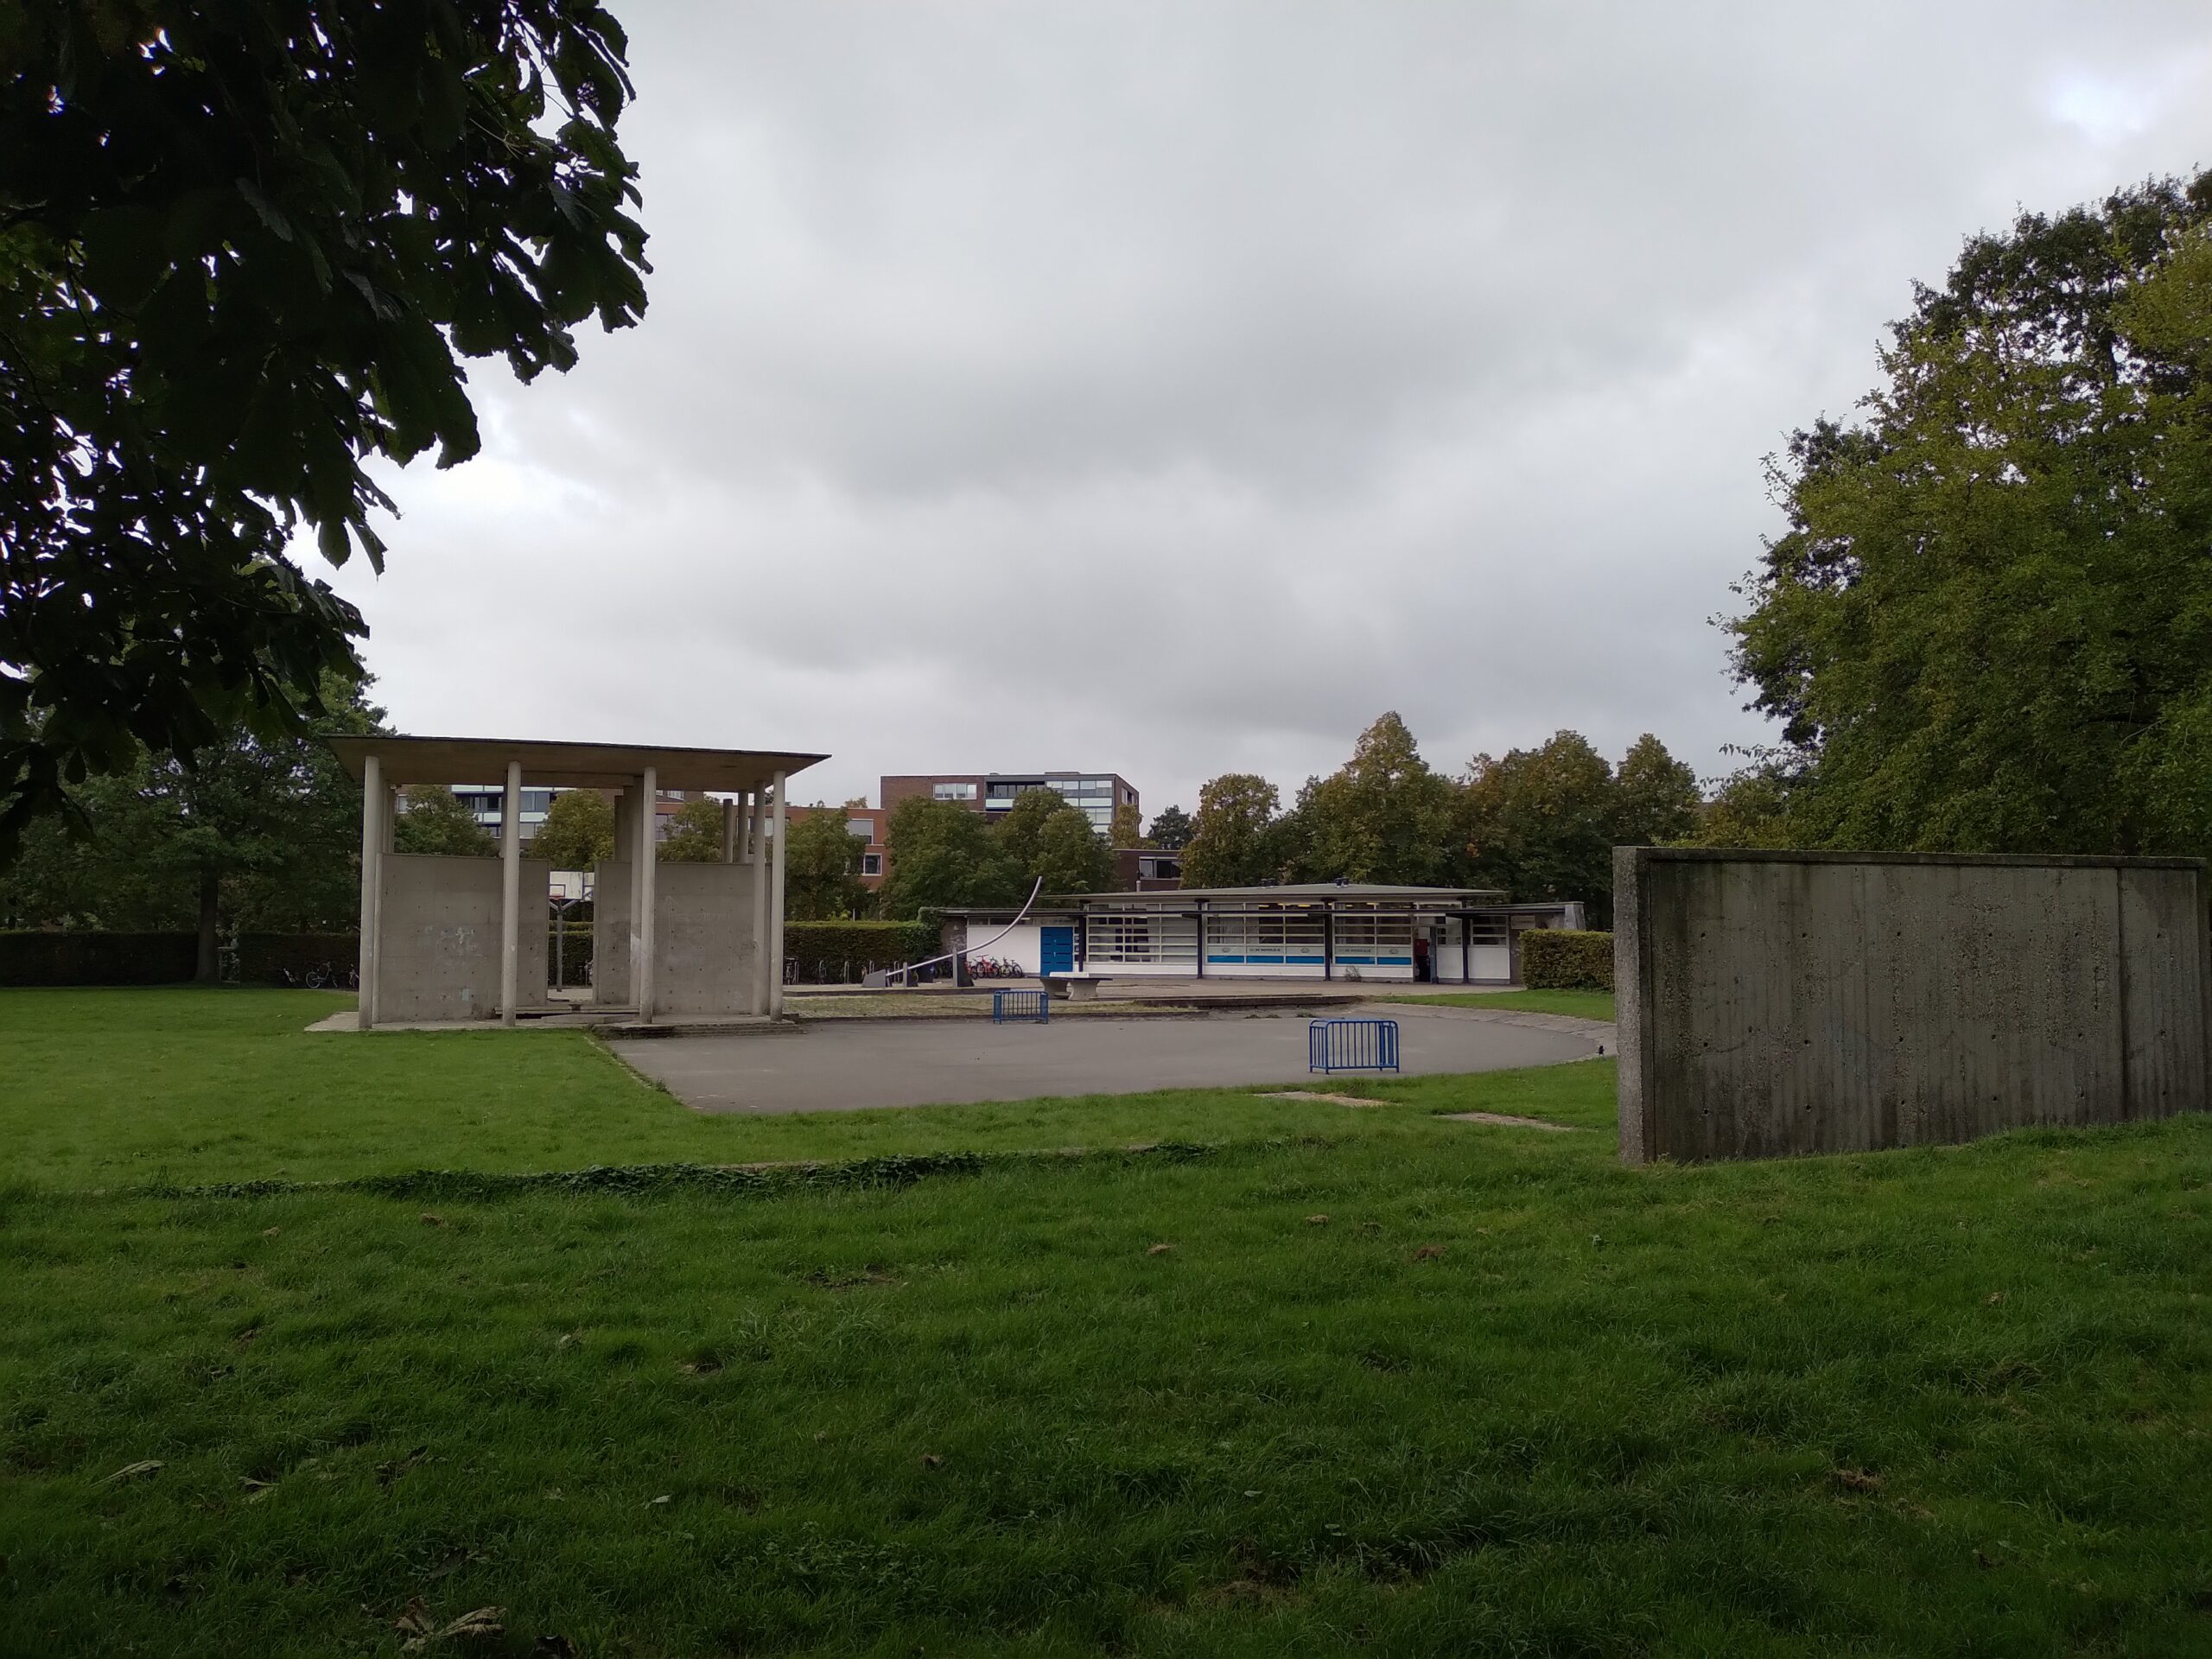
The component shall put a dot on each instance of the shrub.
(572, 967)
(834, 952)
(98, 959)
(298, 958)
(1565, 959)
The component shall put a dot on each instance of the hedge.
(40, 958)
(575, 965)
(1567, 959)
(90, 958)
(834, 952)
(826, 952)
(329, 959)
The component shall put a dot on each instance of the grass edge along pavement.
(119, 1088)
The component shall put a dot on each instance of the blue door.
(1056, 949)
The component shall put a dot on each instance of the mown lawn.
(1395, 1385)
(107, 1088)
(1584, 1005)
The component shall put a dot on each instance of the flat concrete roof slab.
(857, 1065)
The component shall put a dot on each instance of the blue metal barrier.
(1008, 1005)
(1352, 1045)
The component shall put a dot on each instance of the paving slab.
(856, 1066)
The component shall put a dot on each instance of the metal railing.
(1007, 1007)
(1352, 1045)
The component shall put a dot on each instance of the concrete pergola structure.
(667, 939)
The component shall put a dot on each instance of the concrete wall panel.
(438, 943)
(702, 937)
(1780, 1003)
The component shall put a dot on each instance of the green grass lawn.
(1508, 1396)
(110, 1089)
(1584, 1005)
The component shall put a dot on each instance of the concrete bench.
(1074, 988)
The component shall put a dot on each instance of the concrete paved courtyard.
(849, 1065)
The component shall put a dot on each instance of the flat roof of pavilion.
(565, 765)
(1304, 893)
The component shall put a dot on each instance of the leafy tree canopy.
(1127, 827)
(822, 868)
(942, 854)
(1384, 816)
(1019, 829)
(578, 830)
(1655, 797)
(1538, 824)
(1234, 840)
(1170, 830)
(433, 820)
(240, 248)
(1749, 809)
(1989, 625)
(1072, 856)
(257, 834)
(695, 833)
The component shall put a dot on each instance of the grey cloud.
(1173, 388)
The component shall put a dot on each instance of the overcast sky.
(1170, 389)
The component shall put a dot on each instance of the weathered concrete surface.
(702, 937)
(439, 939)
(1773, 1003)
(845, 1066)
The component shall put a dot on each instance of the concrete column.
(374, 812)
(729, 832)
(776, 903)
(758, 1002)
(641, 921)
(510, 892)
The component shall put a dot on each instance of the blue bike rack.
(1352, 1045)
(1013, 1006)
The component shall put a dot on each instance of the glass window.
(870, 863)
(864, 828)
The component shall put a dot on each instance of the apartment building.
(1096, 794)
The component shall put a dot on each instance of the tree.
(1070, 855)
(1749, 809)
(1235, 840)
(1539, 823)
(1988, 626)
(822, 868)
(257, 834)
(1021, 828)
(695, 833)
(578, 831)
(1127, 827)
(942, 854)
(240, 249)
(1655, 797)
(1170, 830)
(1383, 817)
(433, 820)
